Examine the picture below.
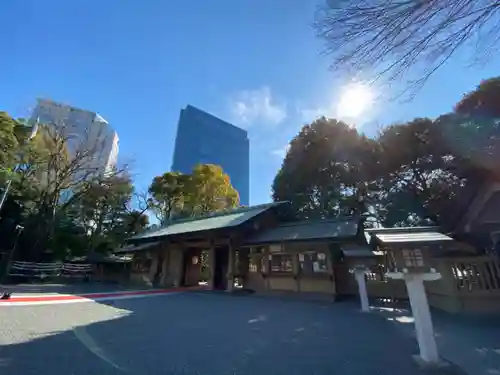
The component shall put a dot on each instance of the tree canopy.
(413, 171)
(69, 207)
(206, 189)
(483, 101)
(337, 153)
(8, 141)
(64, 203)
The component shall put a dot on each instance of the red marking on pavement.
(90, 296)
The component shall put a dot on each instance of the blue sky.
(255, 63)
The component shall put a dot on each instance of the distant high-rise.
(206, 139)
(82, 130)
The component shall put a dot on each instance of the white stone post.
(359, 274)
(421, 313)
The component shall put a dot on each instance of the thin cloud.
(310, 114)
(280, 152)
(250, 107)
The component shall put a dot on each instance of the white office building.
(83, 130)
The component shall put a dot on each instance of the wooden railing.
(476, 274)
(41, 271)
(467, 284)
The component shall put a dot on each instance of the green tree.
(412, 166)
(208, 189)
(134, 222)
(323, 168)
(57, 172)
(8, 141)
(167, 195)
(103, 207)
(483, 101)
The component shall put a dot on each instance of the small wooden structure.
(105, 267)
(409, 254)
(251, 248)
(249, 245)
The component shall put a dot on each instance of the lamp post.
(366, 259)
(412, 264)
(359, 272)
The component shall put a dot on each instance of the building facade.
(82, 130)
(206, 139)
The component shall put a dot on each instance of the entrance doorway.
(192, 267)
(159, 272)
(220, 269)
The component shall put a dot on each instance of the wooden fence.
(467, 285)
(43, 271)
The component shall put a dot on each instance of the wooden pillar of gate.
(230, 266)
(165, 264)
(211, 265)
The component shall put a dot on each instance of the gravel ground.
(201, 333)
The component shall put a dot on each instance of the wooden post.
(165, 264)
(296, 268)
(244, 264)
(265, 265)
(211, 265)
(153, 268)
(331, 271)
(179, 262)
(230, 267)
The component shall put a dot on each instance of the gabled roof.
(308, 230)
(420, 237)
(359, 251)
(134, 248)
(213, 221)
(416, 237)
(94, 257)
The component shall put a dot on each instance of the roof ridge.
(216, 214)
(320, 221)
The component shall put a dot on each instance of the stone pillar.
(230, 267)
(359, 275)
(421, 313)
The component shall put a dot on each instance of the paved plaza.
(202, 333)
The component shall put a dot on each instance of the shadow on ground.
(471, 342)
(201, 333)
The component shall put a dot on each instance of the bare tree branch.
(388, 39)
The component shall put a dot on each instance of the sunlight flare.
(355, 100)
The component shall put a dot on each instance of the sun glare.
(355, 100)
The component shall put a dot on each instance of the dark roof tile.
(308, 230)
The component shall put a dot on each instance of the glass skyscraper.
(205, 139)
